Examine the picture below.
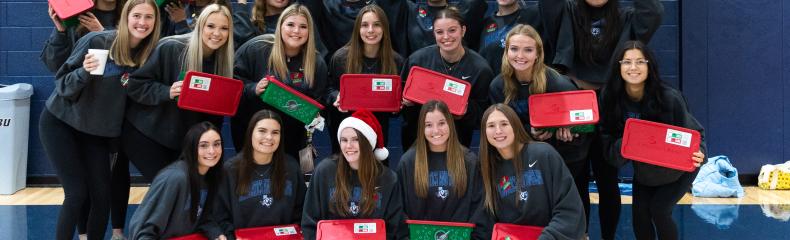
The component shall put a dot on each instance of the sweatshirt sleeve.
(394, 216)
(246, 57)
(311, 211)
(319, 89)
(152, 216)
(646, 19)
(72, 78)
(335, 70)
(243, 28)
(56, 49)
(222, 210)
(147, 85)
(301, 189)
(483, 219)
(568, 220)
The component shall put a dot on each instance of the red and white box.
(424, 85)
(660, 144)
(374, 92)
(209, 93)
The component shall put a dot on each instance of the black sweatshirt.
(258, 207)
(389, 206)
(420, 18)
(90, 104)
(335, 20)
(471, 68)
(441, 203)
(638, 23)
(673, 112)
(151, 110)
(244, 29)
(164, 212)
(60, 44)
(544, 195)
(573, 151)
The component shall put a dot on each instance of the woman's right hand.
(90, 63)
(176, 12)
(56, 20)
(175, 89)
(261, 86)
(337, 105)
(540, 135)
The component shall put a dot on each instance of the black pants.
(146, 154)
(119, 190)
(652, 208)
(82, 163)
(580, 170)
(606, 179)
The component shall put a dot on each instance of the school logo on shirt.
(353, 208)
(125, 79)
(506, 185)
(422, 13)
(266, 201)
(442, 193)
(679, 138)
(523, 196)
(200, 83)
(454, 87)
(491, 27)
(297, 78)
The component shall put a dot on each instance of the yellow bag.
(774, 176)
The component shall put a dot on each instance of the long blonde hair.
(489, 154)
(356, 47)
(538, 82)
(121, 49)
(277, 57)
(193, 56)
(456, 166)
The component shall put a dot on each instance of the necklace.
(448, 67)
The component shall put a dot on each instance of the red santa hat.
(364, 122)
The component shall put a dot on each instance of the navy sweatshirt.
(420, 18)
(389, 206)
(573, 151)
(258, 207)
(543, 195)
(152, 111)
(164, 212)
(59, 45)
(673, 112)
(441, 203)
(90, 104)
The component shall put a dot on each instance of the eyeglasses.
(640, 62)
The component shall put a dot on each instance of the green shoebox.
(431, 230)
(291, 102)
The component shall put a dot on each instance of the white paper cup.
(101, 56)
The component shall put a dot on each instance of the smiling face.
(349, 146)
(277, 4)
(266, 136)
(140, 22)
(294, 32)
(371, 30)
(522, 52)
(448, 33)
(633, 68)
(215, 32)
(499, 132)
(209, 150)
(437, 131)
(596, 3)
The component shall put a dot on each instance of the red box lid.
(284, 86)
(283, 232)
(194, 236)
(424, 85)
(374, 92)
(440, 223)
(68, 8)
(368, 229)
(509, 231)
(660, 144)
(561, 109)
(212, 94)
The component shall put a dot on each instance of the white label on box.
(364, 228)
(454, 87)
(381, 85)
(678, 138)
(585, 115)
(285, 231)
(200, 83)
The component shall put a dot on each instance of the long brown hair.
(277, 57)
(368, 173)
(258, 17)
(489, 157)
(455, 153)
(246, 164)
(121, 49)
(356, 47)
(538, 74)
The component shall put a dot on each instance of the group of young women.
(520, 175)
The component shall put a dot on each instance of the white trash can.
(14, 128)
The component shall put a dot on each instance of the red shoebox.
(562, 109)
(424, 85)
(284, 232)
(503, 231)
(212, 94)
(351, 229)
(375, 92)
(68, 8)
(194, 236)
(660, 144)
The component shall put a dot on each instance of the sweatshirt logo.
(353, 208)
(491, 27)
(125, 79)
(422, 12)
(297, 78)
(442, 193)
(523, 196)
(266, 201)
(506, 185)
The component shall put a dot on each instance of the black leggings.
(119, 190)
(608, 190)
(580, 170)
(146, 154)
(652, 209)
(82, 163)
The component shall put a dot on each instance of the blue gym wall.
(717, 44)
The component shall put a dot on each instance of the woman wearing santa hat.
(353, 184)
